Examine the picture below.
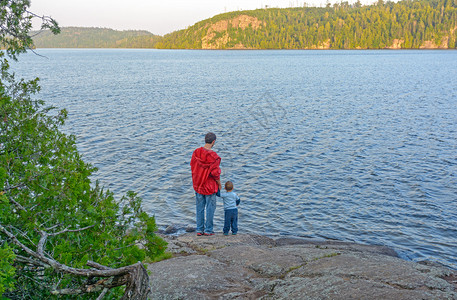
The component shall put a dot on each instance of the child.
(231, 202)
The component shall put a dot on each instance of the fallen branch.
(134, 277)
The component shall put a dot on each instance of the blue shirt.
(231, 200)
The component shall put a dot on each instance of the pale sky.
(156, 16)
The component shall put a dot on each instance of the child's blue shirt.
(231, 200)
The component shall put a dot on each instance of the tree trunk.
(137, 286)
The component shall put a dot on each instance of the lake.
(357, 146)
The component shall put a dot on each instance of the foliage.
(46, 191)
(7, 271)
(15, 24)
(341, 26)
(80, 37)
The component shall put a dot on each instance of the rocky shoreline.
(248, 266)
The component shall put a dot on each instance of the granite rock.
(257, 267)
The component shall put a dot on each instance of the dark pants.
(231, 220)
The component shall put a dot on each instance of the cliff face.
(400, 43)
(444, 42)
(258, 267)
(214, 41)
(396, 44)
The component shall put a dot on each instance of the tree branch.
(58, 266)
(30, 261)
(8, 188)
(36, 53)
(44, 18)
(102, 294)
(102, 284)
(97, 266)
(134, 277)
(18, 205)
(70, 230)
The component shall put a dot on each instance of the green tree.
(59, 233)
(347, 26)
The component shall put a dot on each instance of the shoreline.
(260, 49)
(175, 230)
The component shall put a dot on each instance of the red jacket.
(205, 171)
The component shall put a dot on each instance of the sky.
(156, 16)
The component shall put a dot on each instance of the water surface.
(350, 145)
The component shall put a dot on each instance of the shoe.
(233, 233)
(225, 233)
(200, 234)
(208, 234)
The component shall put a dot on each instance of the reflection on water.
(349, 145)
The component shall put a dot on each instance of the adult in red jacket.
(206, 181)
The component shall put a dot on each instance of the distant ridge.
(85, 37)
(406, 24)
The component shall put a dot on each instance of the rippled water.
(349, 145)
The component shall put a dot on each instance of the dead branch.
(30, 261)
(18, 206)
(70, 230)
(102, 294)
(134, 277)
(96, 265)
(136, 282)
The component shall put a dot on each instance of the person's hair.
(228, 186)
(210, 137)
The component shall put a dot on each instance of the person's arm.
(216, 172)
(238, 200)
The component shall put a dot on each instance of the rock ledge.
(257, 267)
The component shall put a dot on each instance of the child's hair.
(228, 186)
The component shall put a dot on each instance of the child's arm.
(238, 200)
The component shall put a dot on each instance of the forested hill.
(81, 37)
(405, 24)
